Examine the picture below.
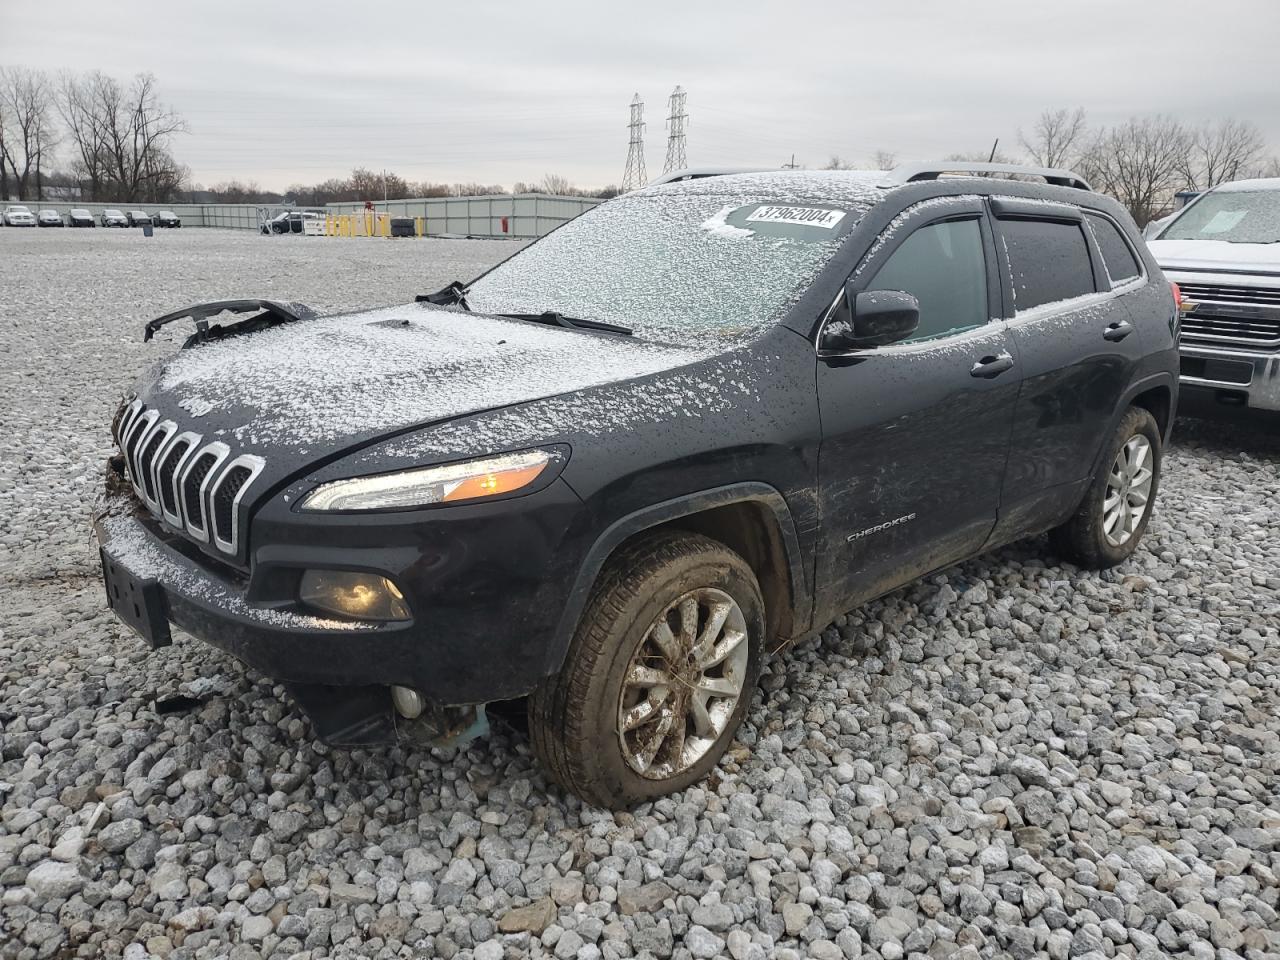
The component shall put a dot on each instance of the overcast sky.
(282, 92)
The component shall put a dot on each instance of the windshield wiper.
(454, 295)
(556, 319)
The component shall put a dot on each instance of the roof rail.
(697, 173)
(931, 171)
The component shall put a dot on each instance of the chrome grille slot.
(133, 443)
(193, 482)
(1203, 324)
(156, 441)
(167, 472)
(225, 496)
(195, 487)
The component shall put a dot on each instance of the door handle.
(1117, 331)
(992, 366)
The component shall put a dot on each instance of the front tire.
(658, 676)
(1113, 516)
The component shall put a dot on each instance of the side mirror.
(878, 318)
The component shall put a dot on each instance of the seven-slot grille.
(1247, 316)
(194, 486)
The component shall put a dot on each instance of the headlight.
(366, 596)
(475, 479)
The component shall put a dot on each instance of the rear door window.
(942, 265)
(1049, 261)
(1117, 255)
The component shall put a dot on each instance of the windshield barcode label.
(801, 216)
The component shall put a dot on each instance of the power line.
(675, 131)
(635, 175)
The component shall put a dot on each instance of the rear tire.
(1111, 519)
(658, 676)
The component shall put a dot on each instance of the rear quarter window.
(1117, 255)
(1048, 260)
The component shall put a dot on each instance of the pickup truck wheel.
(658, 676)
(1113, 516)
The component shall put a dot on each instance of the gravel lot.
(1011, 759)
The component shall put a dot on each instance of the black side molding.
(269, 314)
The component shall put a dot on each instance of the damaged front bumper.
(339, 672)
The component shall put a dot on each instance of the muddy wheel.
(1114, 513)
(658, 676)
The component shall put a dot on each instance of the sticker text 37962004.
(801, 216)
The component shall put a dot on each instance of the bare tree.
(136, 130)
(78, 103)
(884, 160)
(1057, 138)
(30, 134)
(836, 163)
(1139, 162)
(555, 184)
(1218, 153)
(1270, 167)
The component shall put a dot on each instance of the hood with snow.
(1212, 256)
(310, 390)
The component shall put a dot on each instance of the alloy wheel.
(683, 683)
(1128, 491)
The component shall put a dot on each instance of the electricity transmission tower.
(635, 175)
(675, 132)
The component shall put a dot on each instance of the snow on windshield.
(719, 258)
(1236, 216)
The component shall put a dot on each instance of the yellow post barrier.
(420, 227)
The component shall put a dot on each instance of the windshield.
(1235, 216)
(675, 267)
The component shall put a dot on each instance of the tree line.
(365, 184)
(115, 139)
(1142, 162)
(117, 134)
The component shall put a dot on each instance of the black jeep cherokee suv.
(693, 424)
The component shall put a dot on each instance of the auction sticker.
(799, 216)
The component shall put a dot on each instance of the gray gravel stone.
(1011, 757)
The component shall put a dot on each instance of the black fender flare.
(1162, 378)
(686, 505)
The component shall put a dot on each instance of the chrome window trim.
(220, 451)
(142, 428)
(255, 465)
(1142, 264)
(169, 429)
(175, 486)
(1057, 308)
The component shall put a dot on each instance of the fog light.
(408, 702)
(365, 596)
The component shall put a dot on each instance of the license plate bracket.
(139, 603)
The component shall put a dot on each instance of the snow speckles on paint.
(351, 376)
(129, 543)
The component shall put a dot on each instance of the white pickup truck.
(1223, 251)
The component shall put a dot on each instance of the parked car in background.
(114, 218)
(1223, 251)
(289, 222)
(80, 217)
(49, 218)
(18, 216)
(138, 218)
(167, 218)
(616, 500)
